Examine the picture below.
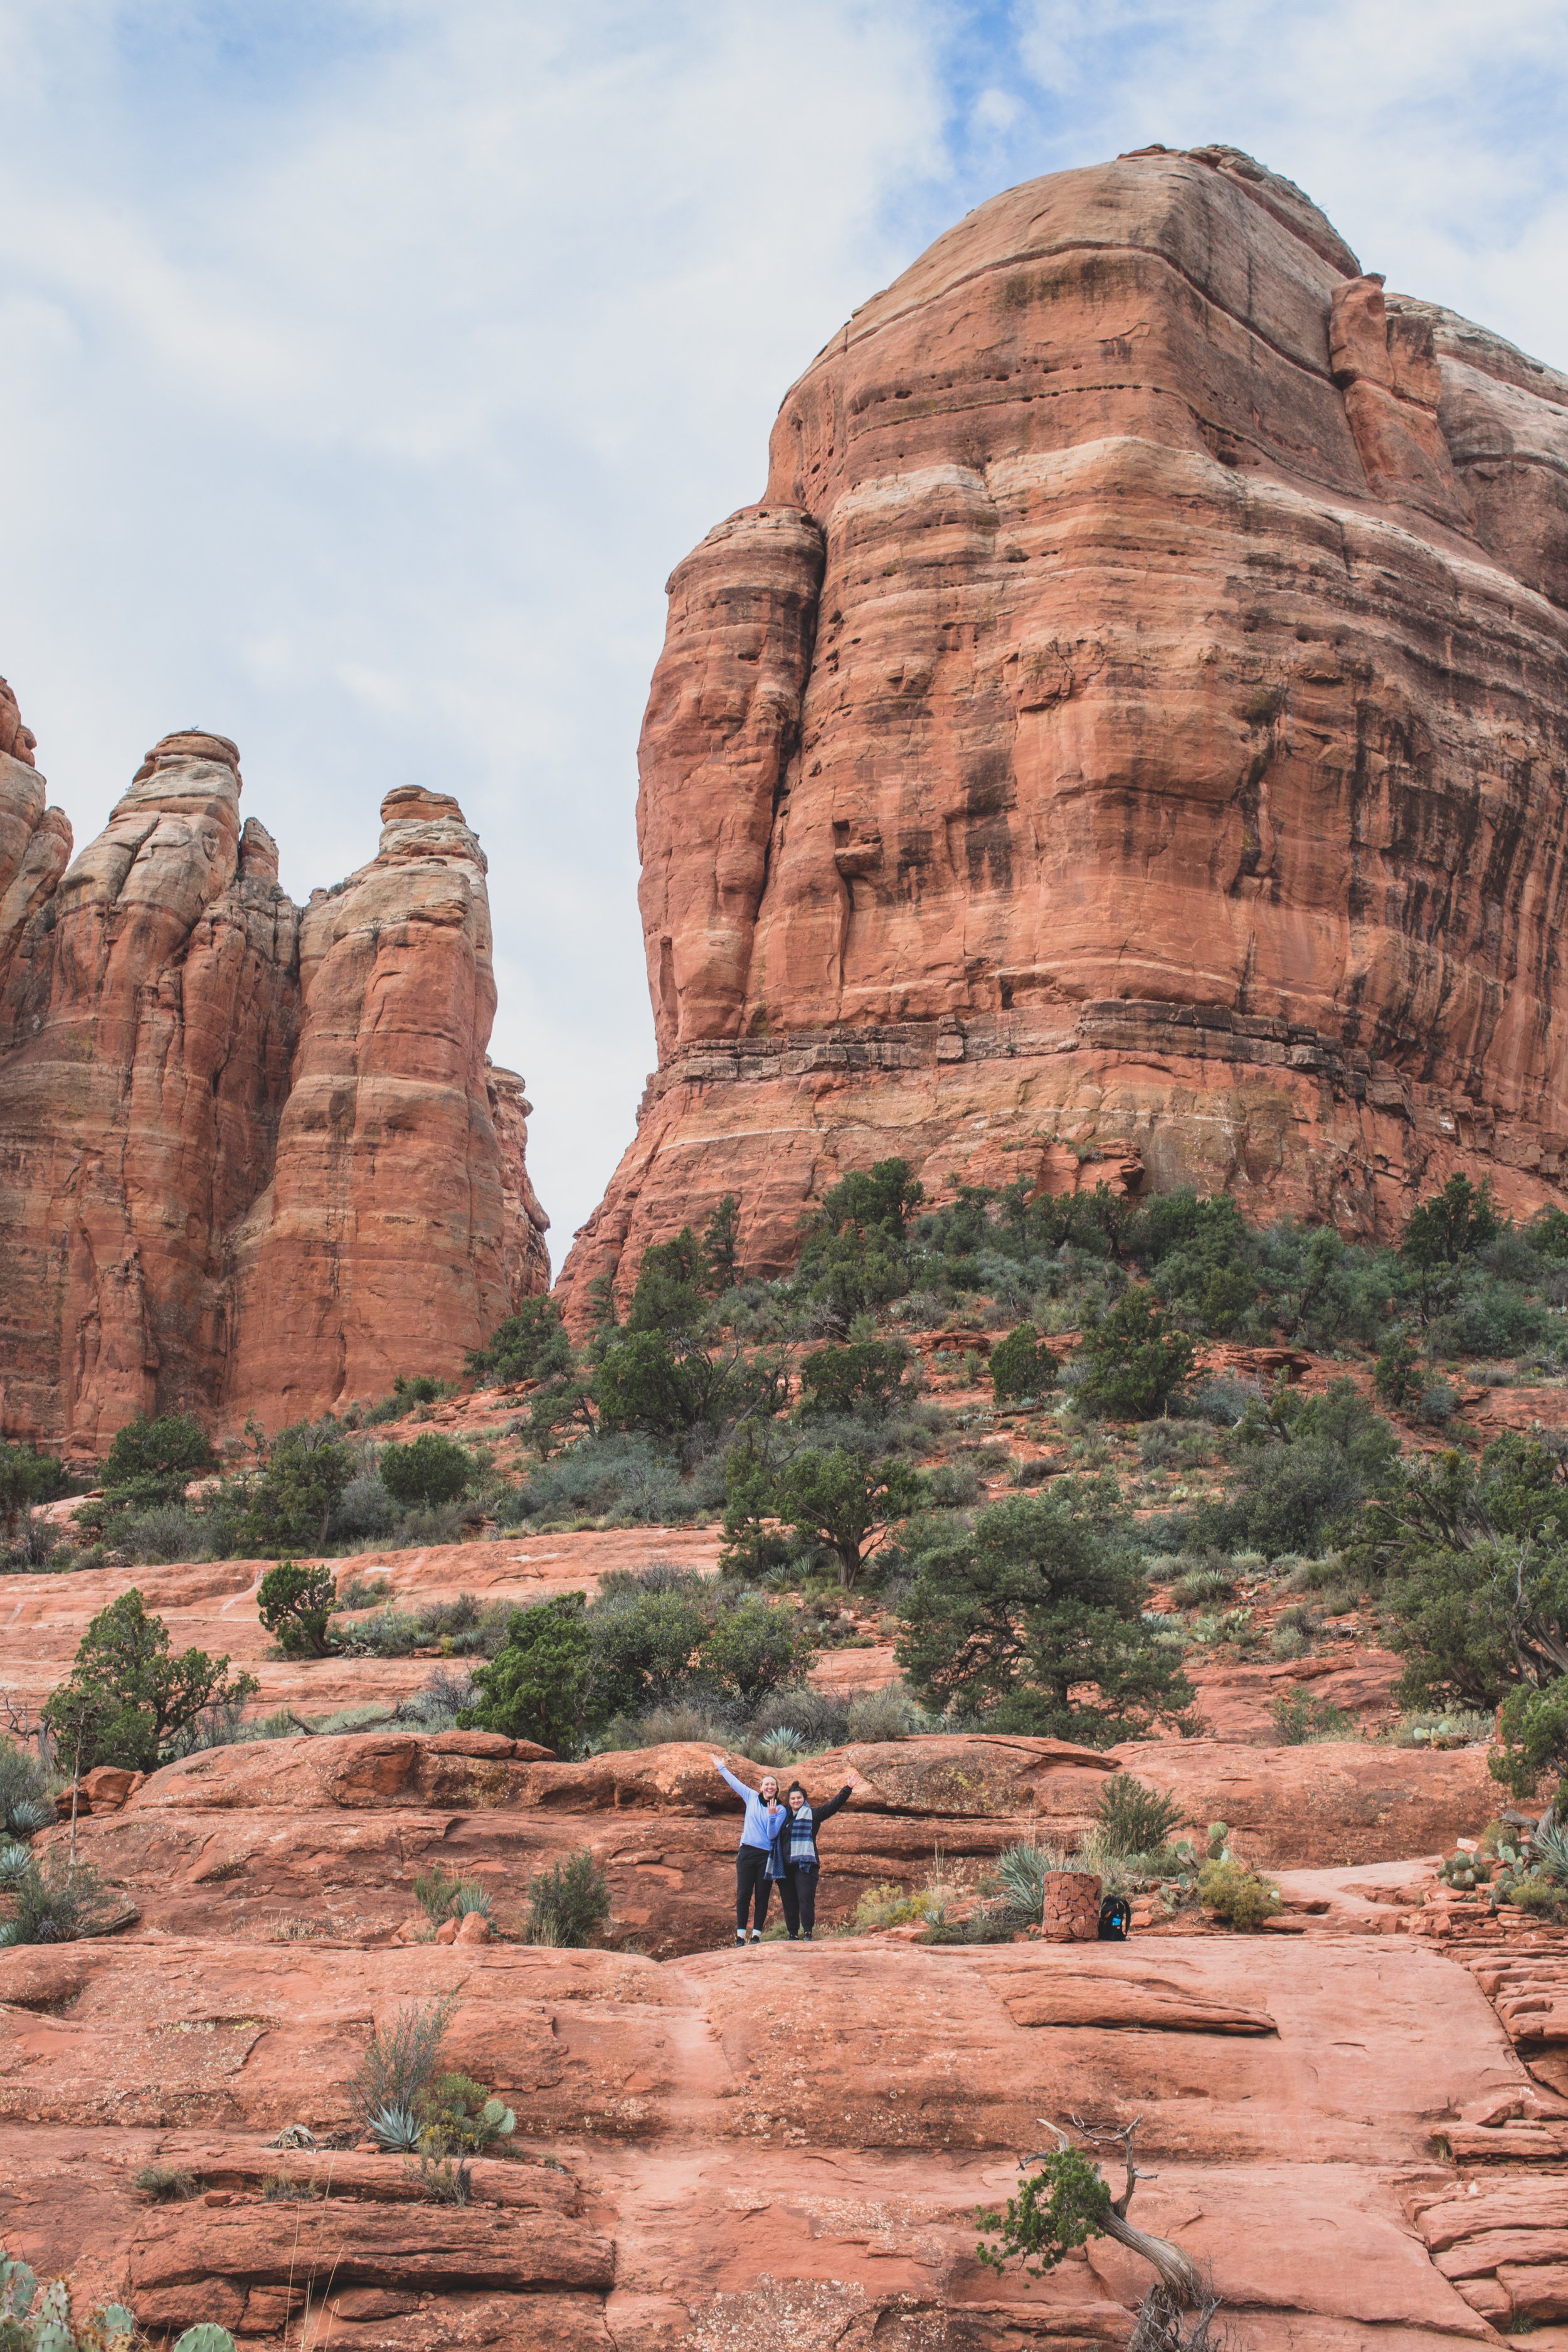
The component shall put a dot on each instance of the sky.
(366, 365)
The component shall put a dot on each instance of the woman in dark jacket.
(799, 1855)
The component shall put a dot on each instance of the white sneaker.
(756, 1935)
(739, 1935)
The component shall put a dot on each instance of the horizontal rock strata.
(1128, 740)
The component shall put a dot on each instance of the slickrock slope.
(751, 2149)
(251, 1159)
(1127, 740)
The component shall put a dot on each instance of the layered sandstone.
(254, 1159)
(1128, 736)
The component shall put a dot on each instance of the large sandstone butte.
(1128, 736)
(253, 1157)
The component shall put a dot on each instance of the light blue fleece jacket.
(763, 1822)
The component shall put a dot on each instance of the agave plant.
(396, 2129)
(784, 1746)
(29, 1814)
(1549, 1845)
(1024, 1870)
(14, 1861)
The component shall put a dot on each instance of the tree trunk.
(1175, 2272)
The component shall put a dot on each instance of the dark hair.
(793, 1786)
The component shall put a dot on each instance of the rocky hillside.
(253, 1154)
(1129, 727)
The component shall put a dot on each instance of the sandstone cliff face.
(245, 1157)
(1135, 719)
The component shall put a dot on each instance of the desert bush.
(154, 1461)
(295, 1604)
(26, 1804)
(869, 1377)
(1238, 1896)
(1133, 1819)
(287, 1506)
(362, 1511)
(889, 1906)
(162, 1533)
(399, 2062)
(890, 1712)
(429, 1471)
(569, 1902)
(459, 2116)
(164, 2184)
(1023, 1871)
(54, 1904)
(1033, 1621)
(1022, 1365)
(537, 1684)
(1197, 1586)
(1299, 1719)
(126, 1695)
(531, 1345)
(619, 1477)
(1134, 1359)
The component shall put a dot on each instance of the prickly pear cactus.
(499, 2116)
(18, 2288)
(205, 2338)
(52, 2331)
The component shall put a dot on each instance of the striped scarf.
(800, 1831)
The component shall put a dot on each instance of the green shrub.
(754, 1647)
(531, 1345)
(1397, 1375)
(667, 1383)
(846, 1502)
(1023, 1871)
(1034, 1620)
(1443, 1234)
(400, 2061)
(459, 2116)
(26, 1804)
(1299, 1719)
(429, 1471)
(1133, 1819)
(53, 1904)
(27, 1477)
(869, 1377)
(1134, 1360)
(295, 1604)
(537, 1684)
(1058, 2208)
(568, 1903)
(889, 1906)
(287, 1505)
(1238, 1896)
(1022, 1365)
(154, 1461)
(126, 1696)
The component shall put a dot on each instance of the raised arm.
(725, 1774)
(835, 1804)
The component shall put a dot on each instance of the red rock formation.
(1171, 764)
(383, 1239)
(164, 1026)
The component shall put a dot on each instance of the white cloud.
(368, 363)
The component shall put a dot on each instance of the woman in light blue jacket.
(757, 1862)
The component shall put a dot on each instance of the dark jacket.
(819, 1813)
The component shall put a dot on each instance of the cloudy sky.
(365, 364)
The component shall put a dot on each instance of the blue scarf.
(800, 1834)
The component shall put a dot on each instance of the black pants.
(798, 1890)
(752, 1881)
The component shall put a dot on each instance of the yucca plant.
(470, 1896)
(1023, 1871)
(15, 1860)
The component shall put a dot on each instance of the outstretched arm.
(725, 1774)
(835, 1804)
